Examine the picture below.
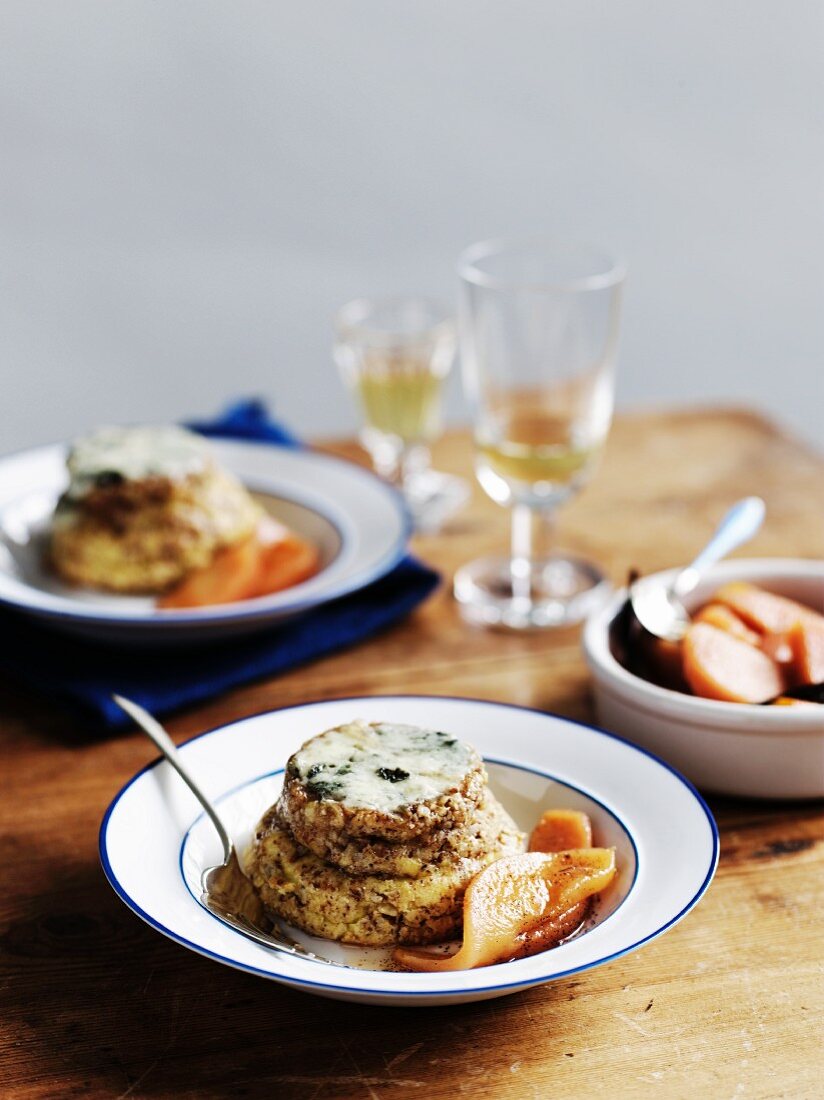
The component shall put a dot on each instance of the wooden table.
(728, 1004)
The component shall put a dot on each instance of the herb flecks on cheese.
(381, 766)
(110, 456)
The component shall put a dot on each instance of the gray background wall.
(190, 188)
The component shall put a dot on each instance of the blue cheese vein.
(382, 766)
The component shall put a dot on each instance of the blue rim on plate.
(523, 982)
(262, 606)
(487, 760)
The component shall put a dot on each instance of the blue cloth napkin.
(86, 673)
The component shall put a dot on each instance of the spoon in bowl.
(659, 608)
(226, 891)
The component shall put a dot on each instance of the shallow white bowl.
(155, 842)
(728, 748)
(358, 522)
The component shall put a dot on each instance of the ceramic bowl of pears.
(738, 705)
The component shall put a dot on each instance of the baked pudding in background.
(149, 512)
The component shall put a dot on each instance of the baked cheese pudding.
(144, 508)
(378, 832)
(380, 779)
(371, 909)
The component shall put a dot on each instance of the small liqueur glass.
(394, 356)
(539, 324)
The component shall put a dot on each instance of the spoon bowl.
(660, 609)
(227, 892)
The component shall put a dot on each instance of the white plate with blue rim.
(155, 841)
(359, 523)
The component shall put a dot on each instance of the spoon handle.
(153, 729)
(738, 526)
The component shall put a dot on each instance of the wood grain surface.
(728, 1004)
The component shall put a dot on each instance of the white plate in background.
(358, 521)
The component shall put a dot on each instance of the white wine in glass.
(539, 333)
(395, 355)
(400, 395)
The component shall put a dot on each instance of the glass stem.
(414, 461)
(531, 529)
(521, 563)
(397, 474)
(388, 459)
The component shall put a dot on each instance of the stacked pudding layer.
(143, 508)
(377, 833)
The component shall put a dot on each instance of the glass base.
(433, 498)
(557, 591)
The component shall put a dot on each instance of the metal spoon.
(226, 891)
(659, 609)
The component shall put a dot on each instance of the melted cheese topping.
(132, 454)
(382, 766)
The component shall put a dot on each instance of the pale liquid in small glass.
(400, 395)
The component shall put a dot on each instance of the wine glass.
(539, 326)
(395, 355)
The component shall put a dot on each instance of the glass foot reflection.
(549, 592)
